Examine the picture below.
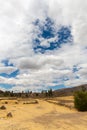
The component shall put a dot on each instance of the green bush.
(80, 100)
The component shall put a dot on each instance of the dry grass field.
(28, 114)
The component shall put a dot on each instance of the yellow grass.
(41, 116)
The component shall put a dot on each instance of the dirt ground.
(41, 116)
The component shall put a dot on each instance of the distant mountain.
(69, 91)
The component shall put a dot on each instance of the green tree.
(50, 93)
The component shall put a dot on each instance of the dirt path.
(42, 116)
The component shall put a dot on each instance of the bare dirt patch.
(41, 116)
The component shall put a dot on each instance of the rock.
(6, 102)
(9, 114)
(36, 102)
(16, 102)
(2, 107)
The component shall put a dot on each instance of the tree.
(50, 93)
(37, 94)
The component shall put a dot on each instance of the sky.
(43, 44)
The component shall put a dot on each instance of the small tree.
(80, 100)
(46, 93)
(37, 94)
(50, 93)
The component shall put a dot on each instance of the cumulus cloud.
(18, 32)
(7, 70)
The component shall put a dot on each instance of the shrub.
(80, 100)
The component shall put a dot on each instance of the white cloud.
(7, 70)
(16, 42)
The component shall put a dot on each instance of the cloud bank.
(43, 44)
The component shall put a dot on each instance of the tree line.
(43, 93)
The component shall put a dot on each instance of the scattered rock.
(2, 107)
(6, 102)
(16, 102)
(9, 114)
(36, 101)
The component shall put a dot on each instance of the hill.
(56, 93)
(69, 91)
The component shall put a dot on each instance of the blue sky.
(63, 36)
(44, 46)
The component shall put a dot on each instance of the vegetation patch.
(80, 100)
